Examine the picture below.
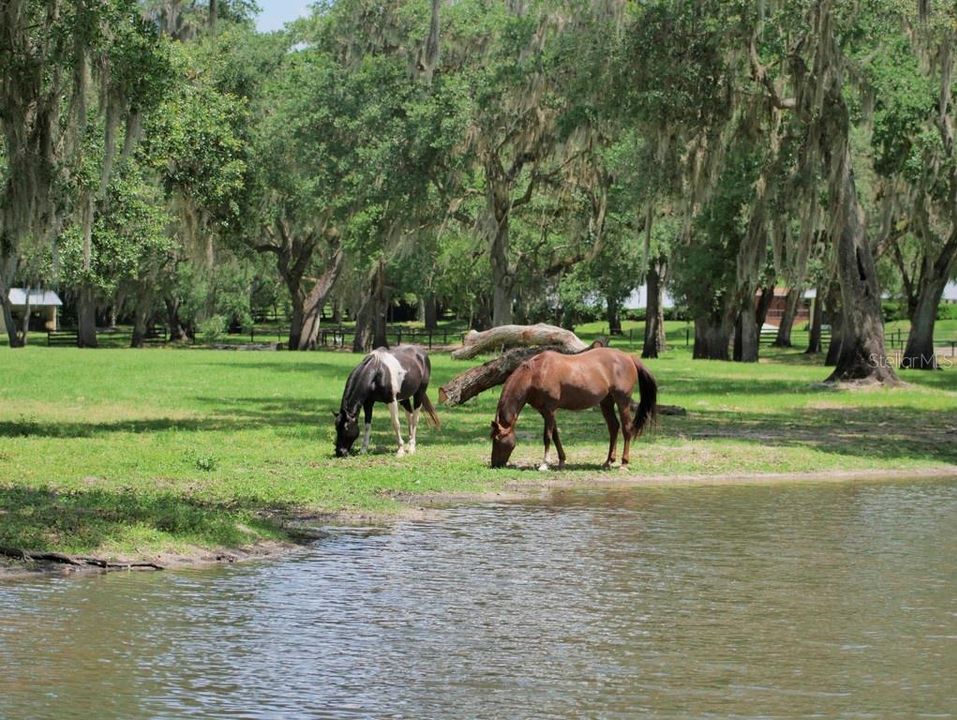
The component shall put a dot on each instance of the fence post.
(687, 336)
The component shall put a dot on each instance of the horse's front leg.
(367, 409)
(549, 419)
(558, 446)
(551, 433)
(608, 410)
(394, 412)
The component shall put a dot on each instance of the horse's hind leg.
(608, 410)
(413, 416)
(627, 423)
(394, 412)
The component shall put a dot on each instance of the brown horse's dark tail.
(430, 411)
(646, 410)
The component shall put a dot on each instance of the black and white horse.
(399, 376)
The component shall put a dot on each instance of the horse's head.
(503, 442)
(347, 430)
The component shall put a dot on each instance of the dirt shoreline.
(305, 527)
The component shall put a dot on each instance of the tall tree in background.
(915, 147)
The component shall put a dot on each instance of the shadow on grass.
(45, 519)
(887, 433)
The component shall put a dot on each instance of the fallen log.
(75, 560)
(506, 336)
(476, 380)
(473, 381)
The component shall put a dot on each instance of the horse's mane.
(349, 400)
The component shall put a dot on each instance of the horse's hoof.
(400, 452)
(543, 467)
(410, 449)
(606, 466)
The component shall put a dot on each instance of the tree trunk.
(745, 332)
(919, 352)
(836, 319)
(362, 340)
(177, 332)
(141, 315)
(297, 298)
(863, 355)
(25, 329)
(503, 278)
(817, 320)
(380, 308)
(86, 316)
(313, 302)
(654, 311)
(763, 305)
(614, 315)
(783, 338)
(7, 271)
(711, 339)
(431, 312)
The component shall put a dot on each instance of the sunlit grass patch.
(129, 452)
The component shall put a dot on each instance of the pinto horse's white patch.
(396, 371)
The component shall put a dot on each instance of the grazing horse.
(550, 381)
(387, 376)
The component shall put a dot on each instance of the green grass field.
(122, 452)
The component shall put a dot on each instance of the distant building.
(779, 304)
(950, 293)
(44, 308)
(638, 300)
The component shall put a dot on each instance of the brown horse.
(551, 381)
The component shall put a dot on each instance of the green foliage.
(129, 238)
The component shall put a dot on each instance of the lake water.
(749, 602)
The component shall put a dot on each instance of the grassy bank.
(119, 452)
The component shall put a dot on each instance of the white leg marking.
(413, 426)
(365, 440)
(394, 412)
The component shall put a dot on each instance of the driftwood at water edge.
(76, 560)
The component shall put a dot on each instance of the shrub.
(212, 328)
(947, 311)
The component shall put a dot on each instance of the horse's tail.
(430, 411)
(646, 410)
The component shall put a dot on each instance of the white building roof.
(38, 298)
